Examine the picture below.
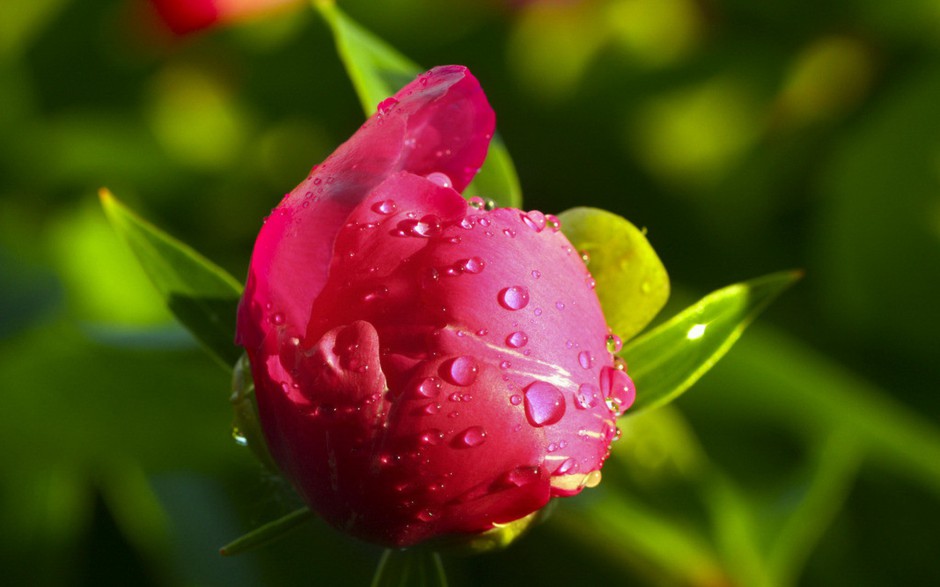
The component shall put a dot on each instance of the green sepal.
(669, 359)
(268, 533)
(246, 428)
(632, 283)
(414, 567)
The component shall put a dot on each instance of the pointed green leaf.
(202, 296)
(632, 283)
(268, 533)
(668, 360)
(377, 71)
(415, 567)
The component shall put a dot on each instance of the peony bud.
(425, 367)
(186, 16)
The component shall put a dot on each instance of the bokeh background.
(745, 136)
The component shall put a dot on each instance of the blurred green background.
(745, 136)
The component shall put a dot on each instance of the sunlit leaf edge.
(759, 293)
(141, 237)
(268, 533)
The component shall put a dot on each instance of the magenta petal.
(439, 123)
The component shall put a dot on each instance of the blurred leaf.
(27, 293)
(201, 295)
(632, 283)
(810, 393)
(806, 509)
(137, 510)
(414, 567)
(736, 530)
(629, 532)
(668, 360)
(20, 22)
(377, 71)
(268, 533)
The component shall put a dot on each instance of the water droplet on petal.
(375, 294)
(460, 370)
(505, 365)
(586, 257)
(536, 274)
(534, 220)
(431, 437)
(514, 298)
(515, 399)
(559, 306)
(552, 222)
(427, 227)
(567, 467)
(432, 409)
(587, 396)
(477, 202)
(277, 319)
(544, 404)
(617, 385)
(440, 179)
(385, 207)
(585, 359)
(592, 479)
(471, 265)
(428, 387)
(386, 105)
(517, 339)
(471, 437)
(614, 344)
(427, 515)
(521, 476)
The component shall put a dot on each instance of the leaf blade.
(377, 71)
(416, 567)
(669, 359)
(268, 533)
(201, 295)
(632, 283)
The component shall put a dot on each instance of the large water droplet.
(592, 479)
(440, 179)
(544, 404)
(514, 298)
(517, 339)
(477, 202)
(521, 476)
(385, 207)
(515, 399)
(552, 222)
(614, 343)
(587, 396)
(471, 437)
(617, 385)
(460, 370)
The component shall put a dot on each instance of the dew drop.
(517, 339)
(432, 409)
(552, 221)
(471, 265)
(460, 370)
(567, 467)
(559, 305)
(428, 387)
(521, 476)
(277, 319)
(505, 365)
(427, 515)
(427, 227)
(386, 105)
(509, 232)
(587, 396)
(515, 399)
(375, 294)
(514, 298)
(489, 205)
(440, 179)
(239, 438)
(614, 344)
(585, 359)
(385, 207)
(466, 223)
(431, 437)
(544, 404)
(592, 479)
(536, 274)
(477, 202)
(472, 437)
(534, 220)
(585, 256)
(616, 385)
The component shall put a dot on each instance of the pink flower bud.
(425, 367)
(186, 16)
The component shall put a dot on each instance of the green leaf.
(415, 567)
(632, 283)
(377, 71)
(268, 533)
(669, 359)
(202, 296)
